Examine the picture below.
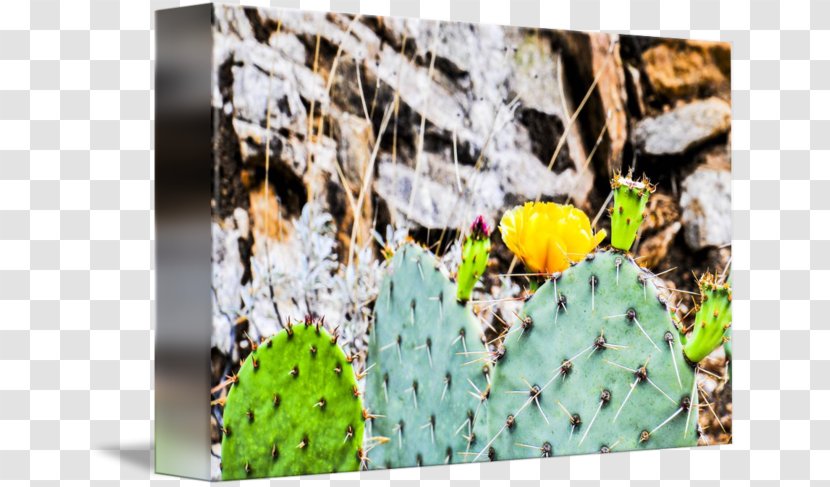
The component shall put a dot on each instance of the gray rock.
(494, 98)
(706, 204)
(437, 203)
(675, 132)
(450, 198)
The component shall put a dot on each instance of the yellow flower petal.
(547, 237)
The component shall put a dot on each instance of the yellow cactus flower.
(547, 237)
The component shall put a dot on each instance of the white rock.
(675, 132)
(706, 203)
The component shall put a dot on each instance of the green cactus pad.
(712, 320)
(428, 367)
(294, 409)
(474, 256)
(627, 212)
(727, 346)
(569, 365)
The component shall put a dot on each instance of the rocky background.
(335, 135)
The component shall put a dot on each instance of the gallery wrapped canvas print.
(389, 242)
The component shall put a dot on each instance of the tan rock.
(604, 112)
(267, 217)
(654, 249)
(608, 67)
(688, 69)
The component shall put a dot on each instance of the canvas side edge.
(183, 133)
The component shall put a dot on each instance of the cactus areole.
(293, 409)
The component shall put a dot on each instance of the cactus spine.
(293, 408)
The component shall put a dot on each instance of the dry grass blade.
(267, 216)
(336, 61)
(420, 148)
(455, 160)
(473, 181)
(564, 137)
(324, 112)
(588, 159)
(310, 128)
(396, 102)
(367, 177)
(360, 90)
(602, 210)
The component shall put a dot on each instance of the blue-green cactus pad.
(563, 321)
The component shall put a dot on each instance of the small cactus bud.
(716, 312)
(474, 256)
(630, 198)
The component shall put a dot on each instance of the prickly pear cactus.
(727, 346)
(294, 409)
(593, 366)
(427, 383)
